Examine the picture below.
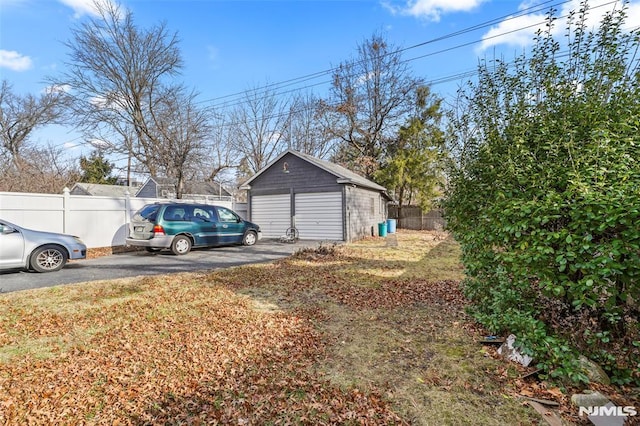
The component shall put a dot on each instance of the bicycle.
(290, 236)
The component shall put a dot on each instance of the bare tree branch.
(370, 98)
(21, 115)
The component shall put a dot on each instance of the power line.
(434, 82)
(235, 99)
(285, 83)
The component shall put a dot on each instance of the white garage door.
(272, 213)
(319, 216)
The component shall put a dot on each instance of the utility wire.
(236, 99)
(434, 82)
(285, 83)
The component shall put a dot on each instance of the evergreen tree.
(97, 169)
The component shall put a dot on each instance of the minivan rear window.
(148, 212)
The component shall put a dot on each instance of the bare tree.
(42, 170)
(220, 154)
(306, 132)
(185, 128)
(259, 126)
(370, 98)
(21, 115)
(122, 78)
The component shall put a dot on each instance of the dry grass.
(365, 333)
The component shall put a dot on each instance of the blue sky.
(230, 46)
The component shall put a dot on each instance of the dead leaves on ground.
(176, 353)
(196, 349)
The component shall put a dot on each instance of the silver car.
(22, 248)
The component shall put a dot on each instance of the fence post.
(127, 207)
(66, 207)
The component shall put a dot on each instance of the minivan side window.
(226, 215)
(175, 213)
(201, 215)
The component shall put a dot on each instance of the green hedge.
(545, 200)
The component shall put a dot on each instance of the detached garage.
(323, 200)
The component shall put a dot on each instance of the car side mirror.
(6, 229)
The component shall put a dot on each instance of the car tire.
(250, 238)
(181, 245)
(48, 258)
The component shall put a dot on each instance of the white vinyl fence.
(99, 221)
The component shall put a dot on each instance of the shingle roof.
(102, 190)
(193, 187)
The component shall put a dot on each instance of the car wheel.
(250, 238)
(49, 258)
(181, 245)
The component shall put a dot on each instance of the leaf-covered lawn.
(365, 333)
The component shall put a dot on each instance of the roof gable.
(343, 175)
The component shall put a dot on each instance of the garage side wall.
(364, 210)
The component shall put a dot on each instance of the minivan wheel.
(250, 238)
(181, 245)
(49, 258)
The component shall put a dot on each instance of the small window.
(372, 205)
(226, 215)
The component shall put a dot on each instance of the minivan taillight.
(158, 230)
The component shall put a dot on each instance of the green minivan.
(181, 226)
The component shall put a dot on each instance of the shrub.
(545, 200)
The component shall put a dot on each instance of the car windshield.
(148, 212)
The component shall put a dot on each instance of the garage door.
(272, 213)
(319, 216)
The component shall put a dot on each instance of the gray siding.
(300, 176)
(148, 190)
(364, 210)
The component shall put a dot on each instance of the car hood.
(45, 234)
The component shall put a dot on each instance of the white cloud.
(100, 144)
(57, 88)
(513, 32)
(434, 9)
(84, 7)
(633, 15)
(521, 30)
(70, 145)
(99, 101)
(14, 60)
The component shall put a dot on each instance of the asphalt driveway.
(142, 263)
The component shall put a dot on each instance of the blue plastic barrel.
(382, 229)
(391, 226)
